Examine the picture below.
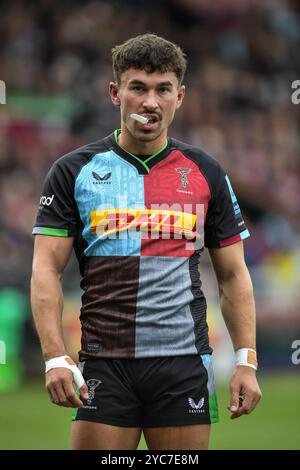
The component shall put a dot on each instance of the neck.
(140, 147)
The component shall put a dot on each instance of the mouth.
(151, 118)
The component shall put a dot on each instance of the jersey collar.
(143, 166)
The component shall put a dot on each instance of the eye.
(164, 89)
(137, 88)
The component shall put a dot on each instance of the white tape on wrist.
(68, 363)
(246, 357)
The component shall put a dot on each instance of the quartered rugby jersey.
(139, 227)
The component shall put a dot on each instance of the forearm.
(47, 307)
(238, 309)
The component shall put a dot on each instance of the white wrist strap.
(68, 363)
(246, 357)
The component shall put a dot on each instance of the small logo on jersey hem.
(183, 172)
(196, 407)
(93, 347)
(87, 407)
(101, 179)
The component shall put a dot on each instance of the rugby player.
(139, 207)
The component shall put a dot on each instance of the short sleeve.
(57, 213)
(224, 224)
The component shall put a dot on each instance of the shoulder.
(80, 156)
(67, 167)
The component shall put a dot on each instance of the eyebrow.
(138, 82)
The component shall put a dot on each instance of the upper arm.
(224, 224)
(51, 253)
(57, 215)
(56, 221)
(228, 261)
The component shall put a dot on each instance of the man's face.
(154, 95)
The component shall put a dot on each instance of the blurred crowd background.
(242, 59)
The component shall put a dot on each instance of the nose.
(150, 101)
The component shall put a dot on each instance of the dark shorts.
(149, 392)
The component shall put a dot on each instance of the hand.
(245, 392)
(59, 384)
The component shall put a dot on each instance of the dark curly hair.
(151, 53)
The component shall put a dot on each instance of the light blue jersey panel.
(109, 182)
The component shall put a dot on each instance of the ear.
(113, 91)
(180, 96)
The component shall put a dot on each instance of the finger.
(55, 395)
(54, 379)
(233, 407)
(250, 402)
(70, 394)
(62, 397)
(245, 407)
(84, 392)
(52, 395)
(257, 397)
(254, 402)
(246, 404)
(234, 400)
(239, 413)
(235, 415)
